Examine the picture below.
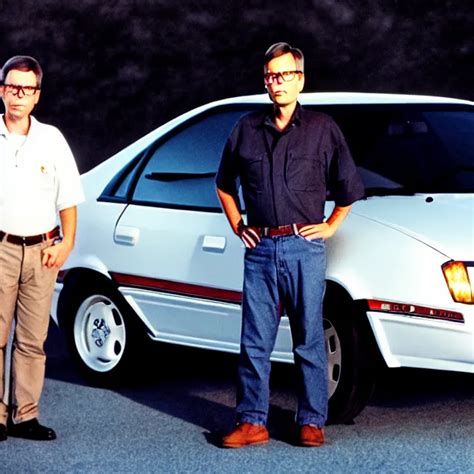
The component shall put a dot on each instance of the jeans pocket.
(315, 241)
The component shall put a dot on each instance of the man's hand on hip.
(317, 231)
(249, 235)
(326, 229)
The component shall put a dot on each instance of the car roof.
(335, 98)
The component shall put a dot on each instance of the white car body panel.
(173, 251)
(446, 223)
(205, 252)
(202, 324)
(407, 341)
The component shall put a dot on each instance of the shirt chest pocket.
(304, 173)
(252, 172)
(40, 178)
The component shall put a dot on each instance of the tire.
(351, 378)
(102, 333)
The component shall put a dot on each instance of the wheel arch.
(339, 303)
(72, 279)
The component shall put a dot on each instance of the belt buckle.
(280, 230)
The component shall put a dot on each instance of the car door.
(176, 259)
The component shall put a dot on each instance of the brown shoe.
(246, 434)
(311, 436)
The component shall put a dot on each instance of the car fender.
(88, 262)
(385, 264)
(371, 260)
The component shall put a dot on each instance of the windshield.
(405, 149)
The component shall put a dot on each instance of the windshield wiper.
(168, 177)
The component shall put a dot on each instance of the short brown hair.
(279, 49)
(22, 63)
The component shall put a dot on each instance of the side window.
(180, 172)
(118, 187)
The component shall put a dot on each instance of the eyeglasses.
(287, 76)
(16, 89)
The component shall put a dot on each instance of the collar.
(4, 130)
(295, 119)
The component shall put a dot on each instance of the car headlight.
(459, 284)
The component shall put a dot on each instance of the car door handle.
(213, 243)
(126, 235)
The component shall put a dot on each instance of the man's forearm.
(230, 208)
(68, 219)
(337, 216)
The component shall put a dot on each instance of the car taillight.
(459, 284)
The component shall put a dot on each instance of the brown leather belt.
(290, 229)
(31, 239)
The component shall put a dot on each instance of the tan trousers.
(26, 290)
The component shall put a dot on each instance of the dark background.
(114, 70)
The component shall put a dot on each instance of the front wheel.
(351, 381)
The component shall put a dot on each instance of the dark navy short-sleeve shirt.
(286, 175)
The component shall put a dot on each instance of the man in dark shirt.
(286, 159)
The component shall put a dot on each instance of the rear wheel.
(102, 333)
(351, 378)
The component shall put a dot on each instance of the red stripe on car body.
(185, 289)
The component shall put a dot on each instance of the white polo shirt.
(38, 178)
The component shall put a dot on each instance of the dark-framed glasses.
(15, 89)
(287, 76)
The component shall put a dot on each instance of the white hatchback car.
(155, 256)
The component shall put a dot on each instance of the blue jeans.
(292, 270)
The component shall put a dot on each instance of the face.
(281, 92)
(18, 105)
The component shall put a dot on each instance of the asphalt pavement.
(169, 421)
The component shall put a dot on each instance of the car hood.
(445, 222)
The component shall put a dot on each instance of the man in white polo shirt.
(39, 180)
